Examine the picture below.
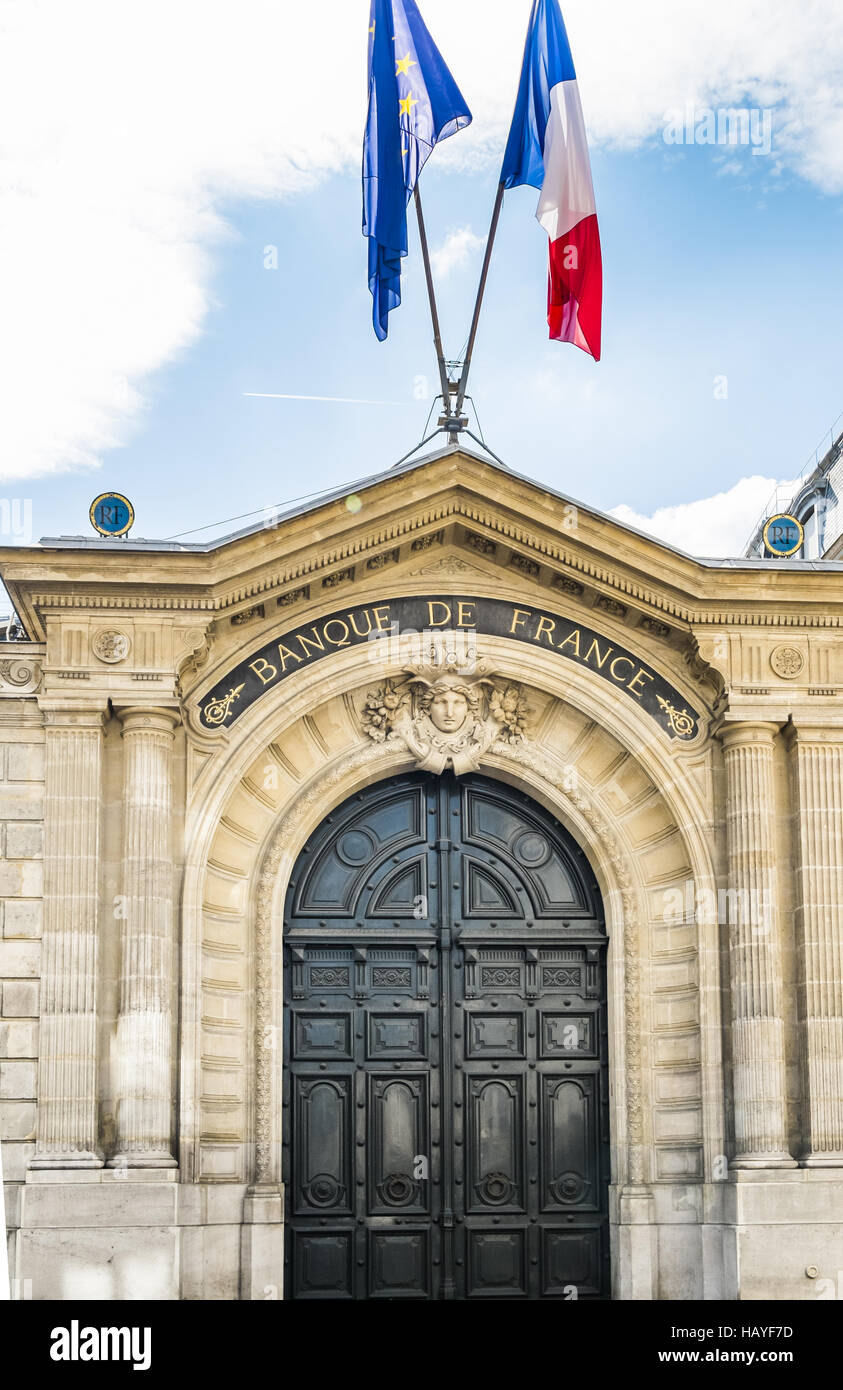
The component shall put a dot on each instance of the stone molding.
(317, 724)
(606, 581)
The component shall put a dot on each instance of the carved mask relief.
(446, 715)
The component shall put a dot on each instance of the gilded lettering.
(343, 641)
(599, 660)
(546, 626)
(519, 618)
(464, 618)
(574, 638)
(381, 617)
(616, 662)
(352, 619)
(259, 666)
(286, 655)
(315, 641)
(438, 622)
(641, 674)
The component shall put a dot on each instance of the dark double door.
(445, 1089)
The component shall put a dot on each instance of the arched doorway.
(445, 1079)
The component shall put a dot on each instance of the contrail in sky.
(338, 400)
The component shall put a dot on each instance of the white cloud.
(712, 527)
(128, 128)
(458, 248)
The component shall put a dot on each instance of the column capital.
(148, 718)
(798, 732)
(737, 733)
(73, 714)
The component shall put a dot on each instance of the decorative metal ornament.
(680, 721)
(783, 535)
(218, 710)
(112, 514)
(398, 1189)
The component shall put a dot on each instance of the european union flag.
(413, 102)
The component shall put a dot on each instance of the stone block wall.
(21, 887)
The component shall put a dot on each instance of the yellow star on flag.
(372, 30)
(404, 64)
(406, 104)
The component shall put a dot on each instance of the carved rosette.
(446, 714)
(787, 662)
(111, 647)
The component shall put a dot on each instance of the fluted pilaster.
(67, 1123)
(754, 949)
(145, 1021)
(819, 921)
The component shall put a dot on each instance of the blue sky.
(718, 264)
(706, 275)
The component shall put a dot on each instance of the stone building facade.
(816, 501)
(211, 755)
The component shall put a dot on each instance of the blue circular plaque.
(783, 535)
(111, 514)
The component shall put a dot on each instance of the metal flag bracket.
(453, 375)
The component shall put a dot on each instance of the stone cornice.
(526, 526)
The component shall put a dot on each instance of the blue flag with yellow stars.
(413, 102)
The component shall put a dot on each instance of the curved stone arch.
(232, 752)
(245, 865)
(533, 772)
(676, 667)
(575, 684)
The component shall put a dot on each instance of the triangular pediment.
(451, 518)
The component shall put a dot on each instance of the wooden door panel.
(398, 1124)
(445, 1093)
(494, 1142)
(324, 1128)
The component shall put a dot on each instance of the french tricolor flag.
(547, 148)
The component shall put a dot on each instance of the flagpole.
(490, 241)
(437, 337)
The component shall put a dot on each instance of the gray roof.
(97, 543)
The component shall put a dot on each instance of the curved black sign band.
(349, 627)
